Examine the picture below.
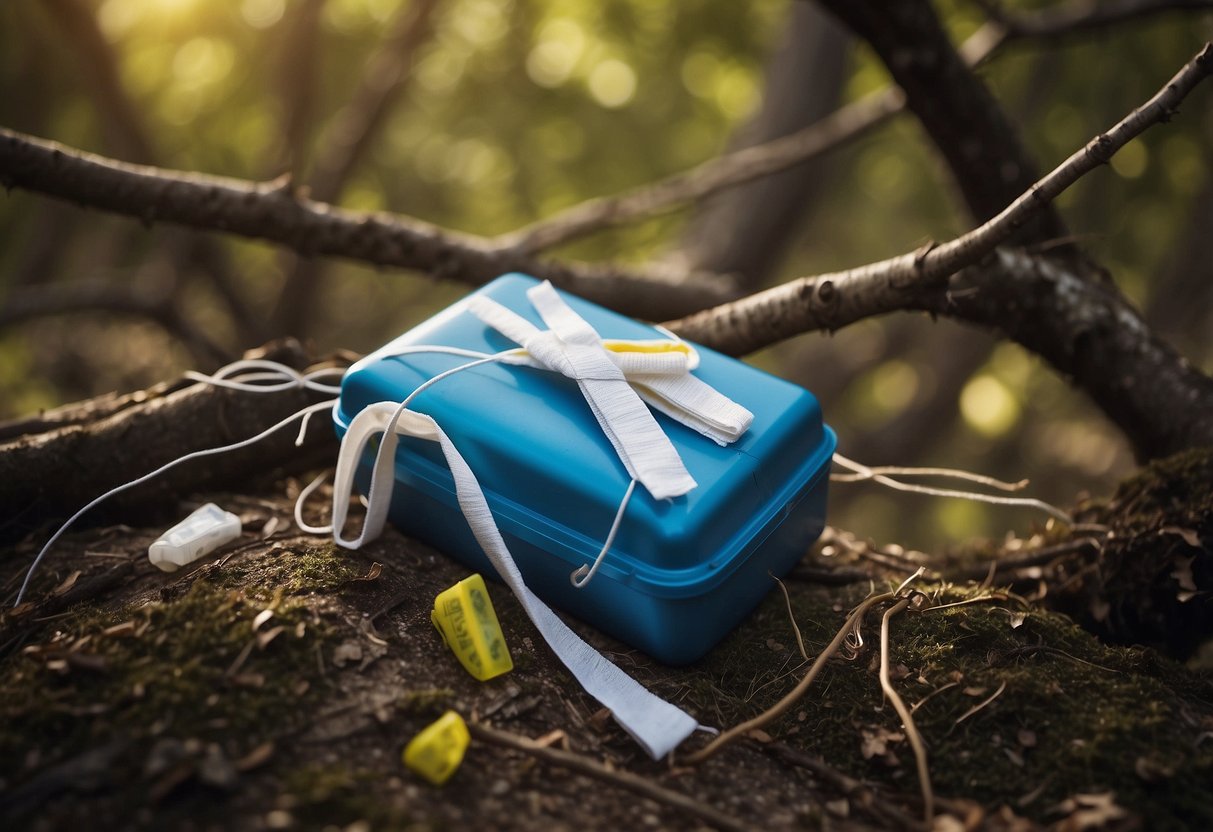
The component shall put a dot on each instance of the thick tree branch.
(49, 475)
(834, 300)
(844, 125)
(980, 145)
(919, 280)
(1083, 16)
(269, 212)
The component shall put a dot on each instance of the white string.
(243, 443)
(376, 514)
(897, 485)
(949, 473)
(302, 498)
(583, 574)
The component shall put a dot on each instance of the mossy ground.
(121, 711)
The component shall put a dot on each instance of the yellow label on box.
(465, 617)
(438, 750)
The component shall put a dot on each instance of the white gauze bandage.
(654, 723)
(614, 377)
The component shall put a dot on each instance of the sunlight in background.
(988, 406)
(261, 14)
(612, 83)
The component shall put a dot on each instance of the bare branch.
(833, 300)
(266, 211)
(720, 173)
(1083, 16)
(1084, 327)
(50, 475)
(842, 126)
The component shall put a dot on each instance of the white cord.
(302, 498)
(251, 375)
(870, 474)
(395, 419)
(168, 465)
(583, 574)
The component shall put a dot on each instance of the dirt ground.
(274, 685)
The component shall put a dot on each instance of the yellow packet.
(466, 620)
(437, 751)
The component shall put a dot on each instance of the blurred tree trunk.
(746, 231)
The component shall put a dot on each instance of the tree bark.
(745, 231)
(963, 120)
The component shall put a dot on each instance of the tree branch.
(49, 475)
(843, 125)
(266, 211)
(980, 145)
(830, 301)
(1083, 16)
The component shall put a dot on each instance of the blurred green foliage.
(518, 108)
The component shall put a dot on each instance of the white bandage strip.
(617, 378)
(657, 725)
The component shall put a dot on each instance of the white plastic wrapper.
(198, 535)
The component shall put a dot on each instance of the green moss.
(1073, 715)
(324, 796)
(189, 667)
(292, 570)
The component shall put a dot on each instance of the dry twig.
(645, 787)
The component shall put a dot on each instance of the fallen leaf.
(759, 735)
(974, 691)
(67, 584)
(1089, 811)
(1016, 619)
(259, 756)
(876, 742)
(126, 628)
(1189, 535)
(270, 526)
(1183, 574)
(372, 574)
(841, 808)
(347, 651)
(1153, 769)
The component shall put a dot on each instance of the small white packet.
(198, 535)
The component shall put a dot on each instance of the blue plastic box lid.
(682, 571)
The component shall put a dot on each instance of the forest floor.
(274, 685)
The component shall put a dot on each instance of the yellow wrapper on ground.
(438, 750)
(465, 617)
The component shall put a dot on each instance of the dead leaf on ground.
(346, 652)
(876, 742)
(1088, 811)
(1189, 535)
(256, 758)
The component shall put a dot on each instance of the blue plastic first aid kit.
(681, 571)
